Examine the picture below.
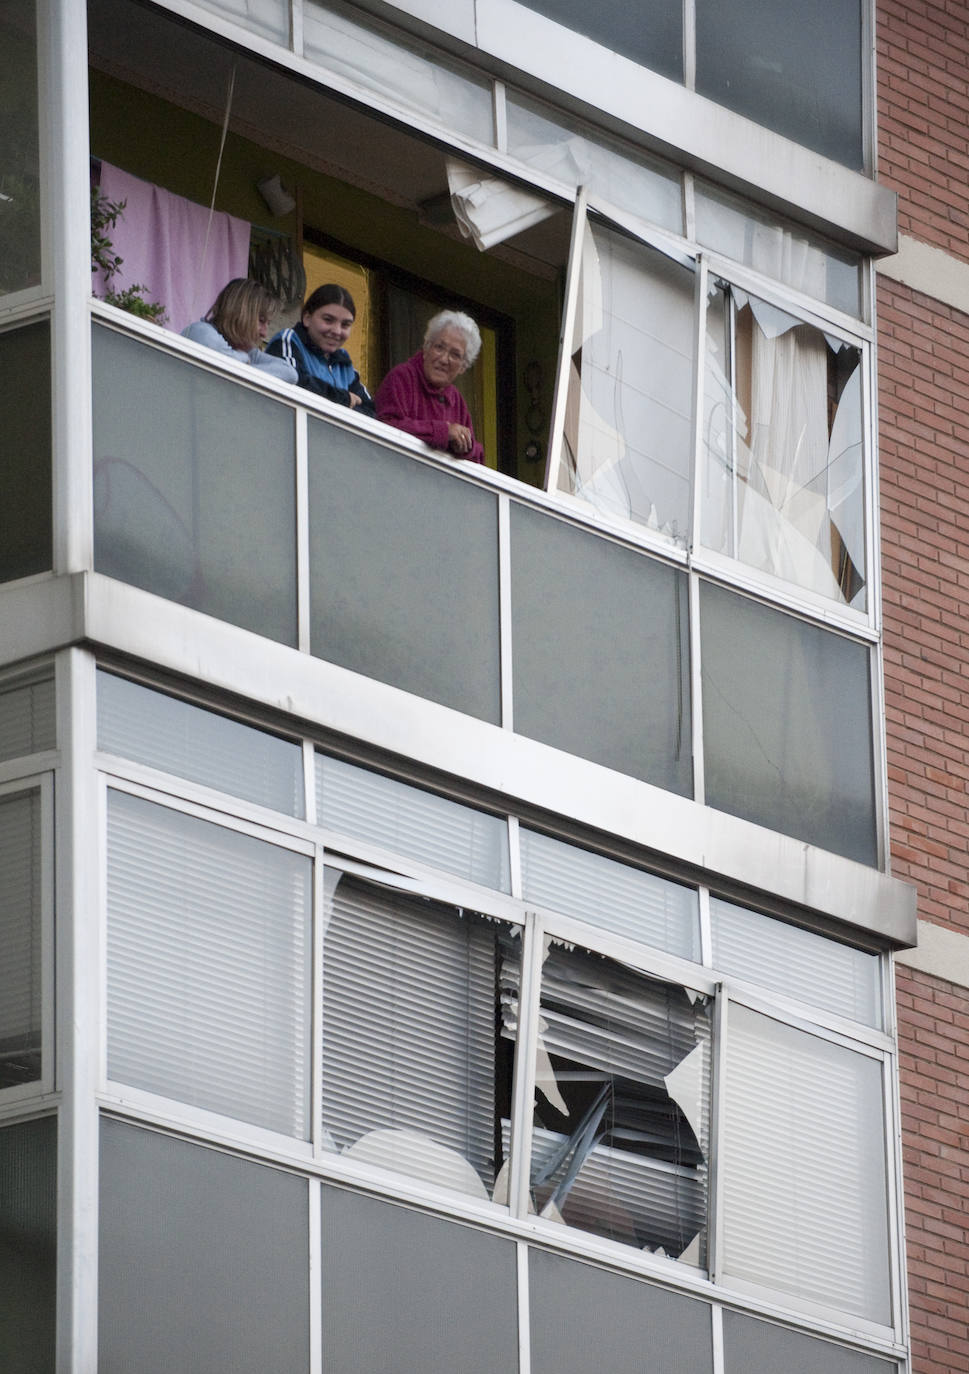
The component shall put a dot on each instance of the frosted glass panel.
(405, 1293)
(559, 148)
(805, 1207)
(194, 487)
(628, 441)
(177, 737)
(621, 694)
(796, 962)
(655, 37)
(404, 572)
(25, 423)
(209, 965)
(787, 729)
(585, 1319)
(26, 718)
(28, 1245)
(410, 1050)
(19, 156)
(269, 18)
(611, 895)
(203, 1260)
(750, 1344)
(20, 938)
(410, 76)
(425, 827)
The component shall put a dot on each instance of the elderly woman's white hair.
(464, 324)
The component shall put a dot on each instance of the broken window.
(783, 475)
(620, 1135)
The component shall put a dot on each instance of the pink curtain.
(161, 238)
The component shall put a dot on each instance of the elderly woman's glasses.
(442, 350)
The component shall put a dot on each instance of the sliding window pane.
(805, 1192)
(19, 163)
(796, 69)
(407, 1293)
(177, 737)
(610, 895)
(628, 438)
(653, 38)
(637, 1328)
(619, 693)
(194, 487)
(431, 829)
(403, 572)
(622, 1103)
(20, 938)
(28, 1245)
(203, 1260)
(26, 545)
(787, 726)
(27, 718)
(411, 1056)
(209, 967)
(783, 487)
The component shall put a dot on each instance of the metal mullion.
(698, 382)
(296, 27)
(566, 338)
(696, 687)
(316, 1004)
(523, 1087)
(524, 1313)
(314, 1202)
(499, 110)
(505, 648)
(689, 44)
(718, 1113)
(302, 532)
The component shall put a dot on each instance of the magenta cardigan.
(405, 401)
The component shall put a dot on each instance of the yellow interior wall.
(155, 139)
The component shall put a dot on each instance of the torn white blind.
(797, 962)
(135, 722)
(803, 1167)
(20, 936)
(435, 831)
(611, 895)
(208, 965)
(409, 1042)
(27, 719)
(623, 1098)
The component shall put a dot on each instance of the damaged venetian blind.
(620, 1137)
(209, 965)
(409, 1043)
(610, 895)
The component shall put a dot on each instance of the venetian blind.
(209, 968)
(20, 938)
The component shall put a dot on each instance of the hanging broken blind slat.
(208, 965)
(177, 737)
(433, 830)
(611, 895)
(803, 1167)
(20, 938)
(409, 1045)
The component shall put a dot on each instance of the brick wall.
(923, 117)
(934, 1029)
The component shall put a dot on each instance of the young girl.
(237, 326)
(314, 347)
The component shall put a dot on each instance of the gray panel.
(25, 473)
(194, 487)
(600, 651)
(204, 1260)
(28, 1191)
(27, 718)
(19, 158)
(405, 1293)
(583, 1319)
(787, 729)
(751, 1345)
(651, 35)
(404, 568)
(20, 939)
(796, 69)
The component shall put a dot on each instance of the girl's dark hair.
(331, 294)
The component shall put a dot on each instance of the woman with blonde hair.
(237, 326)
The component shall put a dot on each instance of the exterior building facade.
(451, 915)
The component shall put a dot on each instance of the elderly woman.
(420, 397)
